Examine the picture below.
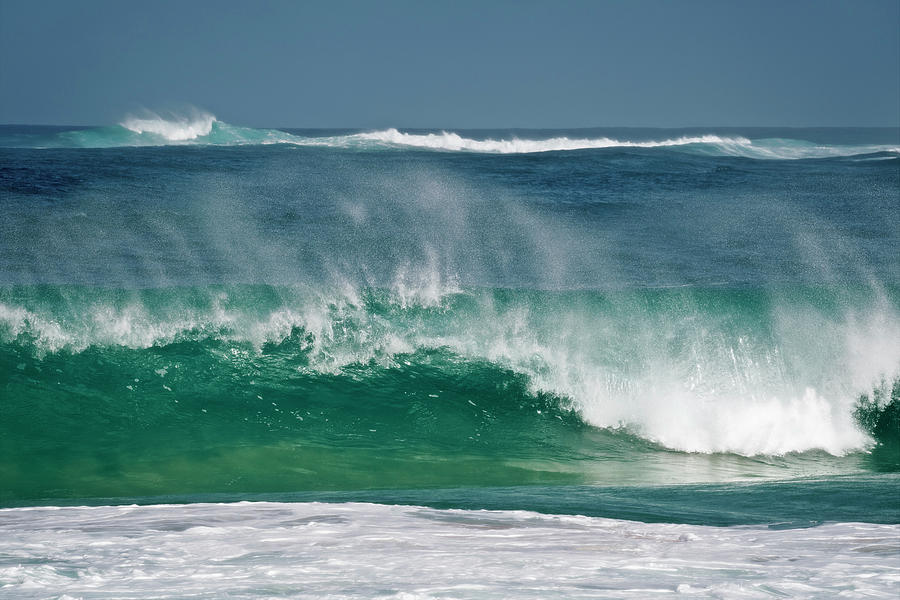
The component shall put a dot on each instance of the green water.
(254, 389)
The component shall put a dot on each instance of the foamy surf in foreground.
(350, 550)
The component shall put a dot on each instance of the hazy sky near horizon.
(455, 64)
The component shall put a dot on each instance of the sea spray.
(173, 129)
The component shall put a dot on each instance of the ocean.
(591, 363)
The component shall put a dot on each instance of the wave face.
(203, 129)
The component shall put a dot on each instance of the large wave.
(204, 129)
(750, 373)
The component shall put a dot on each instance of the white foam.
(454, 142)
(307, 550)
(173, 128)
(750, 426)
(448, 141)
(48, 334)
(716, 392)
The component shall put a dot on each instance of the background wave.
(202, 128)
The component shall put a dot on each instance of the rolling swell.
(198, 128)
(278, 389)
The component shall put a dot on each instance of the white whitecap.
(172, 128)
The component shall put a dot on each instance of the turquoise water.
(691, 326)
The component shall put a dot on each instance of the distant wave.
(709, 144)
(174, 129)
(454, 142)
(204, 129)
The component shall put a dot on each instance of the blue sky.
(455, 64)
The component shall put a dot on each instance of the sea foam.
(307, 549)
(773, 149)
(173, 128)
(450, 141)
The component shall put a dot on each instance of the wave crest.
(173, 128)
(454, 142)
(710, 144)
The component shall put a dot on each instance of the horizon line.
(491, 128)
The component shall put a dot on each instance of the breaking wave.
(707, 144)
(176, 129)
(695, 371)
(204, 129)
